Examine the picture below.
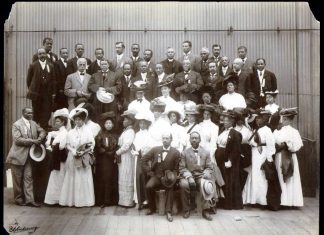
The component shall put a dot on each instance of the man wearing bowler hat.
(163, 171)
(25, 134)
(195, 165)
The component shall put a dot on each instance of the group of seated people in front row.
(225, 154)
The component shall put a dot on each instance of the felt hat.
(169, 179)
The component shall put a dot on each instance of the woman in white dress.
(271, 99)
(263, 147)
(126, 161)
(142, 144)
(231, 99)
(208, 130)
(191, 113)
(56, 146)
(178, 133)
(288, 142)
(78, 189)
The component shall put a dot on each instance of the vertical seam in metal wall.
(297, 60)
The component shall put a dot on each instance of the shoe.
(102, 205)
(33, 204)
(169, 217)
(206, 215)
(186, 214)
(20, 203)
(150, 212)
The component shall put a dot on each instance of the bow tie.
(81, 73)
(165, 151)
(195, 150)
(140, 100)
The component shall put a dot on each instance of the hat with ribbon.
(289, 112)
(139, 86)
(37, 152)
(207, 188)
(104, 97)
(145, 115)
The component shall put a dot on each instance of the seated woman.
(106, 175)
(288, 142)
(231, 99)
(56, 146)
(78, 189)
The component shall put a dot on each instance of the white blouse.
(209, 134)
(245, 132)
(59, 136)
(222, 138)
(272, 108)
(178, 137)
(289, 135)
(93, 127)
(142, 141)
(230, 101)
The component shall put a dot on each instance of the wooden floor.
(116, 220)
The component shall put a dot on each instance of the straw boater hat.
(176, 108)
(231, 78)
(77, 111)
(191, 110)
(208, 188)
(103, 96)
(289, 112)
(157, 105)
(145, 115)
(166, 81)
(129, 114)
(61, 113)
(272, 93)
(106, 115)
(37, 152)
(169, 179)
(139, 86)
(208, 107)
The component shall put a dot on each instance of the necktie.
(65, 61)
(81, 73)
(260, 73)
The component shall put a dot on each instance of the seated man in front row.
(194, 165)
(163, 158)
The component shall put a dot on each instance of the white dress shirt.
(26, 122)
(143, 75)
(64, 63)
(161, 76)
(260, 75)
(230, 101)
(165, 153)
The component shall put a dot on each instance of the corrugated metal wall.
(291, 53)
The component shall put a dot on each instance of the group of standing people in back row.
(122, 128)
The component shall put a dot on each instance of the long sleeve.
(127, 139)
(294, 141)
(41, 132)
(145, 160)
(30, 75)
(117, 88)
(183, 167)
(68, 91)
(18, 138)
(270, 144)
(213, 145)
(208, 166)
(92, 85)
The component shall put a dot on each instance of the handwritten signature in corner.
(16, 228)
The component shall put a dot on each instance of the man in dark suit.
(41, 88)
(188, 80)
(104, 79)
(147, 55)
(194, 165)
(201, 66)
(171, 65)
(95, 65)
(248, 65)
(216, 49)
(162, 158)
(262, 80)
(25, 133)
(161, 76)
(214, 82)
(47, 44)
(244, 76)
(72, 66)
(135, 58)
(126, 80)
(60, 77)
(224, 69)
(187, 53)
(150, 78)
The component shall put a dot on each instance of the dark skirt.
(232, 188)
(141, 180)
(106, 180)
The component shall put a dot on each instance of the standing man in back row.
(120, 58)
(171, 65)
(72, 66)
(187, 53)
(50, 56)
(248, 65)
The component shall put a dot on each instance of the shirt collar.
(168, 149)
(120, 56)
(80, 73)
(170, 60)
(42, 63)
(26, 121)
(62, 60)
(187, 53)
(135, 58)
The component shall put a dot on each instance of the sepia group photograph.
(161, 118)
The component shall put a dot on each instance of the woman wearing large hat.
(288, 142)
(192, 115)
(140, 104)
(125, 160)
(263, 147)
(166, 98)
(56, 146)
(106, 175)
(175, 114)
(271, 99)
(141, 145)
(231, 99)
(78, 189)
(228, 156)
(208, 130)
